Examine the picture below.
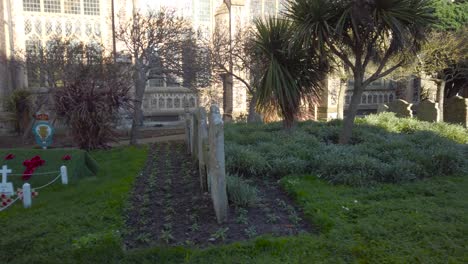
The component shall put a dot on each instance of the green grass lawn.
(422, 222)
(64, 222)
(419, 218)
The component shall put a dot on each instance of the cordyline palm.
(290, 73)
(371, 37)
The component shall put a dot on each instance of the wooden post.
(216, 168)
(202, 148)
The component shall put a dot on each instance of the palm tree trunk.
(348, 125)
(441, 99)
(252, 115)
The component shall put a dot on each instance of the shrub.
(243, 160)
(240, 192)
(384, 149)
(19, 103)
(90, 105)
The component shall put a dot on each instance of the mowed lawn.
(66, 220)
(412, 221)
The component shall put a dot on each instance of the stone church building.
(25, 24)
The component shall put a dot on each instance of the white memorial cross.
(6, 187)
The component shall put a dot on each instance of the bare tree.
(90, 104)
(155, 40)
(53, 65)
(246, 66)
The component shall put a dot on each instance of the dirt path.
(166, 207)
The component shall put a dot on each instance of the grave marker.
(6, 187)
(216, 167)
(428, 111)
(401, 108)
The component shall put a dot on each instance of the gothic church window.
(72, 7)
(27, 26)
(52, 6)
(32, 5)
(91, 7)
(38, 27)
(48, 27)
(68, 28)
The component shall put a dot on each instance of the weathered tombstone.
(188, 132)
(382, 108)
(202, 148)
(401, 108)
(216, 168)
(456, 110)
(6, 187)
(195, 144)
(428, 111)
(43, 130)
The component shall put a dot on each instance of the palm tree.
(290, 72)
(371, 37)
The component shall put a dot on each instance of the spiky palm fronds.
(291, 72)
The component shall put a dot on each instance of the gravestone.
(382, 108)
(6, 187)
(456, 110)
(202, 148)
(216, 167)
(188, 132)
(428, 111)
(401, 108)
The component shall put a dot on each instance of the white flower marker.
(6, 187)
(27, 199)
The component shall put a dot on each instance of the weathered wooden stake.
(27, 197)
(202, 148)
(64, 174)
(216, 168)
(187, 131)
(195, 121)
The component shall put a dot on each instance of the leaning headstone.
(428, 111)
(456, 110)
(382, 108)
(202, 148)
(195, 144)
(188, 132)
(216, 168)
(401, 108)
